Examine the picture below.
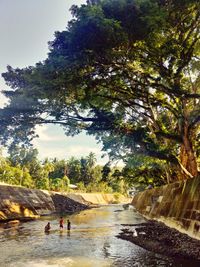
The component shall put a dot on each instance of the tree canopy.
(126, 71)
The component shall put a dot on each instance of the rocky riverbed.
(157, 237)
(64, 204)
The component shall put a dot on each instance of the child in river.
(47, 227)
(68, 225)
(61, 223)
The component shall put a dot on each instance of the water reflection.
(106, 247)
(90, 243)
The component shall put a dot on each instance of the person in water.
(47, 227)
(61, 223)
(68, 225)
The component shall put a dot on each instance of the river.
(90, 243)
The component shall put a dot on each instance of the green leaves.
(125, 71)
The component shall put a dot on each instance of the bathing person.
(61, 223)
(68, 225)
(47, 227)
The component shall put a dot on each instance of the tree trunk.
(187, 154)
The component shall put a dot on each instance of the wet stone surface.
(157, 237)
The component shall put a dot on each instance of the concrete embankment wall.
(18, 202)
(23, 203)
(177, 205)
(98, 198)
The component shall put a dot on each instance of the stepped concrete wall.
(177, 205)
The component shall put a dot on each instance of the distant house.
(73, 186)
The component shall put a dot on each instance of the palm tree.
(91, 160)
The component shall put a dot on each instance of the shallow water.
(90, 243)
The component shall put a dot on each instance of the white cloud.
(80, 150)
(66, 151)
(3, 86)
(3, 100)
(45, 135)
(52, 142)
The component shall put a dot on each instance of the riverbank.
(157, 237)
(19, 203)
(177, 205)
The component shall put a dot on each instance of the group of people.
(61, 223)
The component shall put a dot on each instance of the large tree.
(126, 71)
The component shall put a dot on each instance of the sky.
(26, 26)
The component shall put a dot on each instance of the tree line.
(22, 167)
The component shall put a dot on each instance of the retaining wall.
(177, 205)
(22, 203)
(97, 198)
(18, 202)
